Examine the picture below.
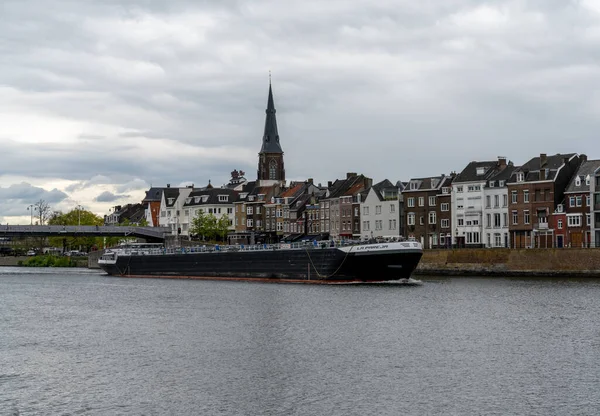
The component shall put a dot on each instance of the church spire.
(270, 142)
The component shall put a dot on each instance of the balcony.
(541, 226)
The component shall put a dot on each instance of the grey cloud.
(109, 197)
(415, 88)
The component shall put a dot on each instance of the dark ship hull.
(360, 263)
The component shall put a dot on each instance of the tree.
(205, 226)
(223, 226)
(43, 211)
(74, 217)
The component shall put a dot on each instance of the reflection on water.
(78, 342)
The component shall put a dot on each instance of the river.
(76, 342)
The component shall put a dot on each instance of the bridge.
(148, 233)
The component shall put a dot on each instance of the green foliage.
(208, 227)
(48, 261)
(75, 217)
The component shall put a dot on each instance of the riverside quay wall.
(511, 262)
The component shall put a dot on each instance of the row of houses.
(549, 201)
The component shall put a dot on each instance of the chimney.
(367, 182)
(543, 160)
(501, 162)
(310, 180)
(350, 174)
(168, 185)
(329, 183)
(582, 158)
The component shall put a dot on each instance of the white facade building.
(380, 212)
(595, 208)
(480, 204)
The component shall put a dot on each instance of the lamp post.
(79, 208)
(31, 208)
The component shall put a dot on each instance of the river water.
(76, 342)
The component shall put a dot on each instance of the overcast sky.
(101, 99)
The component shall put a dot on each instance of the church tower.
(270, 158)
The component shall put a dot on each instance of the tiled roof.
(470, 172)
(210, 196)
(585, 169)
(531, 169)
(153, 195)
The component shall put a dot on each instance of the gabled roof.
(477, 171)
(532, 168)
(210, 196)
(293, 191)
(347, 187)
(428, 184)
(170, 193)
(153, 195)
(586, 169)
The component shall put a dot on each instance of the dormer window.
(587, 180)
(204, 198)
(559, 208)
(501, 184)
(445, 190)
(251, 198)
(196, 199)
(491, 184)
(414, 185)
(188, 200)
(520, 177)
(480, 171)
(578, 181)
(244, 195)
(170, 200)
(223, 198)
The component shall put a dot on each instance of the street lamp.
(79, 208)
(31, 208)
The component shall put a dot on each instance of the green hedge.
(48, 261)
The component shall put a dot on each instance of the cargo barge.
(306, 262)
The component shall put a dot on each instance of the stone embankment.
(511, 262)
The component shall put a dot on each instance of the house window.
(526, 197)
(560, 224)
(392, 224)
(526, 217)
(377, 209)
(492, 184)
(445, 206)
(488, 220)
(459, 189)
(273, 169)
(520, 177)
(445, 223)
(445, 190)
(223, 198)
(186, 212)
(249, 222)
(459, 203)
(487, 201)
(378, 225)
(366, 210)
(473, 237)
(589, 219)
(498, 240)
(421, 201)
(163, 214)
(392, 208)
(432, 201)
(249, 210)
(571, 201)
(574, 220)
(410, 202)
(461, 221)
(432, 217)
(515, 218)
(505, 217)
(410, 219)
(504, 200)
(514, 197)
(497, 221)
(588, 200)
(496, 201)
(578, 200)
(501, 183)
(421, 220)
(578, 181)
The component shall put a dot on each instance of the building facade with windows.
(577, 229)
(479, 217)
(380, 211)
(423, 215)
(218, 202)
(535, 190)
(595, 207)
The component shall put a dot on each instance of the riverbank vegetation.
(50, 261)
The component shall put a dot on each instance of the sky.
(99, 100)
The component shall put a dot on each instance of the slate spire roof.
(270, 143)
